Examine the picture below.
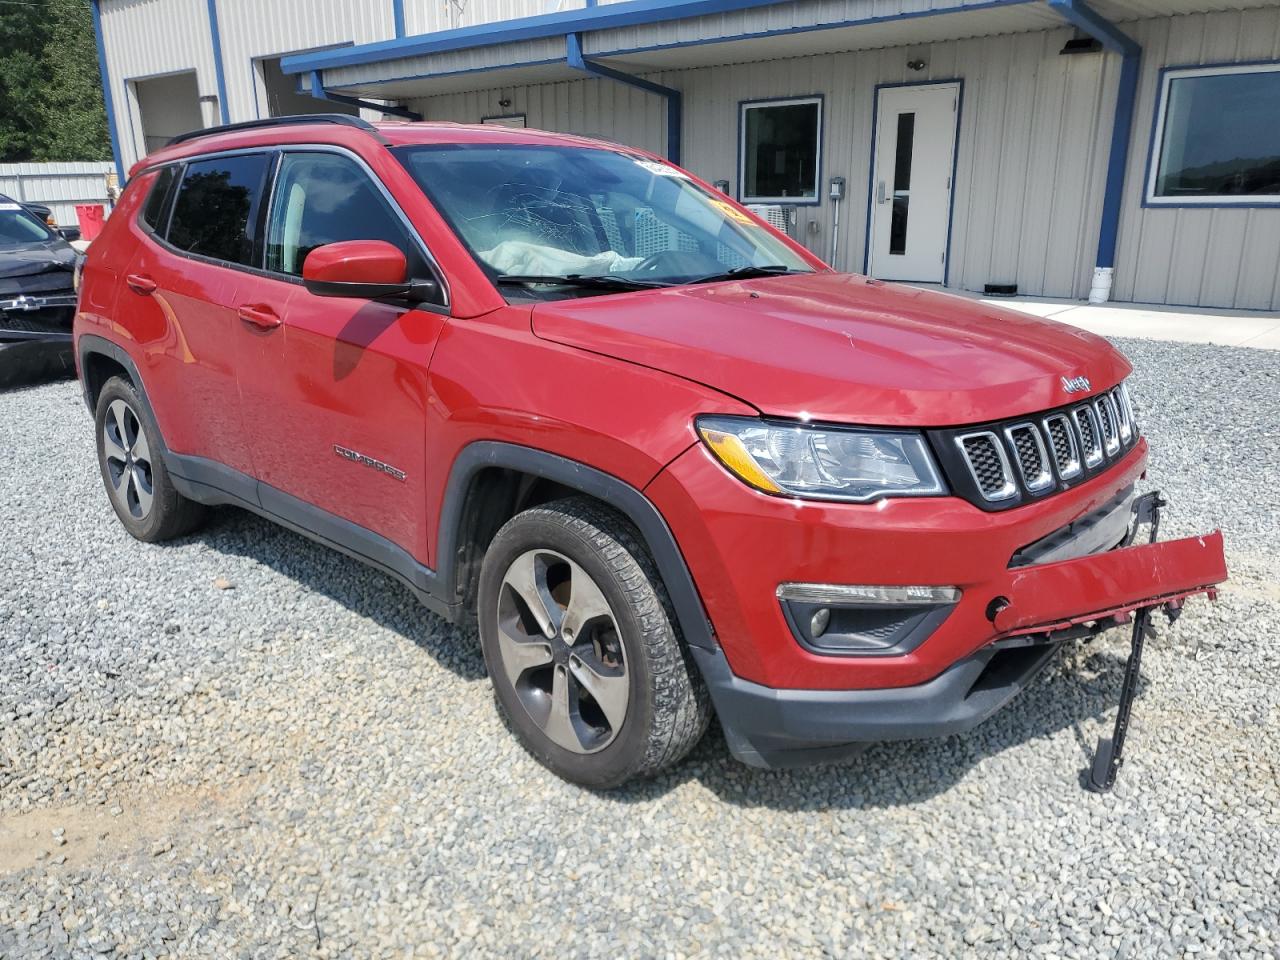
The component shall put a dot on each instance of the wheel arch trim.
(626, 499)
(89, 344)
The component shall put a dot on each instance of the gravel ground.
(242, 745)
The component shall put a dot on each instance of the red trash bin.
(90, 217)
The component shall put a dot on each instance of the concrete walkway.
(1232, 328)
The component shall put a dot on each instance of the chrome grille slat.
(1062, 440)
(1086, 422)
(988, 463)
(1107, 420)
(1124, 416)
(1030, 455)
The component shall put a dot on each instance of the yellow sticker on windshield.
(732, 212)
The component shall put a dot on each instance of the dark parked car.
(37, 296)
(45, 214)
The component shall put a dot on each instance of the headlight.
(76, 272)
(822, 463)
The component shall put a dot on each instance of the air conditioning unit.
(778, 216)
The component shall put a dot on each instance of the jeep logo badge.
(1075, 384)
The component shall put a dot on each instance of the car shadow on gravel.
(348, 582)
(1080, 686)
(1083, 685)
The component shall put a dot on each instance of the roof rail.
(338, 118)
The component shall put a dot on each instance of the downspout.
(216, 36)
(318, 91)
(573, 53)
(1081, 16)
(108, 101)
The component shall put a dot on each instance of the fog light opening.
(821, 620)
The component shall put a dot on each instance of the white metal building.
(984, 144)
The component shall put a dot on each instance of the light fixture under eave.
(1081, 45)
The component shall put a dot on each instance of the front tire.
(138, 485)
(583, 648)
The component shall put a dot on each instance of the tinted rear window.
(158, 198)
(216, 205)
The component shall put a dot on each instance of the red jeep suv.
(669, 462)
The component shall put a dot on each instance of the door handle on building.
(259, 316)
(880, 192)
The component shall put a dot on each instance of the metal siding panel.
(146, 39)
(251, 29)
(1212, 257)
(59, 186)
(421, 17)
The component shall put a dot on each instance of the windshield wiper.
(747, 273)
(593, 282)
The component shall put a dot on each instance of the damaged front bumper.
(1033, 610)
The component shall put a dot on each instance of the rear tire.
(592, 674)
(133, 472)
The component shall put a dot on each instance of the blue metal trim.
(1080, 15)
(675, 104)
(108, 101)
(318, 91)
(822, 146)
(1149, 170)
(217, 60)
(397, 14)
(955, 168)
(628, 13)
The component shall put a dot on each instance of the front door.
(335, 387)
(911, 181)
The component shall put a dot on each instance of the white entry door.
(911, 181)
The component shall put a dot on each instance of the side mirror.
(366, 269)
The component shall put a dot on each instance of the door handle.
(880, 192)
(259, 316)
(140, 283)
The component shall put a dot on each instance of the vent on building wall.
(1000, 289)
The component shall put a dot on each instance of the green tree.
(50, 90)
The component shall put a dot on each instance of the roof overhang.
(638, 35)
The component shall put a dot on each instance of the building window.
(780, 150)
(1217, 137)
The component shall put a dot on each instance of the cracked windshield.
(555, 221)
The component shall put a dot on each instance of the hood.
(842, 348)
(34, 258)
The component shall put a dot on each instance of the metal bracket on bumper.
(1137, 579)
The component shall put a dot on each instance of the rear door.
(181, 293)
(334, 389)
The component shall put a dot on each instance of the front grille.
(1001, 465)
